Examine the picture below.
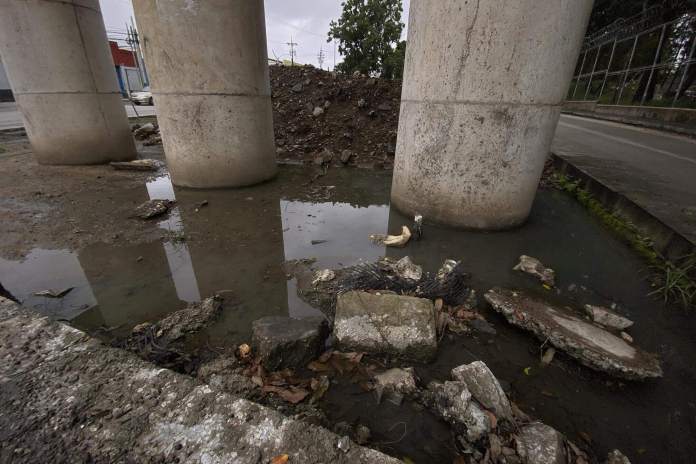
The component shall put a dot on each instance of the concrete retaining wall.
(65, 397)
(680, 120)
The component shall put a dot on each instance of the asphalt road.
(655, 170)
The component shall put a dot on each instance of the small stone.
(346, 155)
(343, 444)
(386, 324)
(534, 267)
(324, 157)
(616, 457)
(541, 444)
(407, 270)
(362, 434)
(283, 342)
(394, 384)
(325, 275)
(327, 103)
(144, 131)
(362, 103)
(318, 111)
(297, 88)
(153, 208)
(484, 387)
(607, 317)
(627, 337)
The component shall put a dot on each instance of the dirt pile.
(328, 118)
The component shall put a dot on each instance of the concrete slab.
(65, 397)
(591, 345)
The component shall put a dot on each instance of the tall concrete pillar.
(209, 75)
(57, 58)
(483, 85)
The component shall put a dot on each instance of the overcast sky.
(306, 20)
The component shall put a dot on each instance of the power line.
(292, 50)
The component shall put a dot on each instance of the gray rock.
(284, 342)
(607, 317)
(453, 402)
(318, 111)
(386, 323)
(485, 388)
(394, 384)
(534, 267)
(408, 270)
(616, 457)
(153, 208)
(538, 443)
(297, 88)
(591, 345)
(362, 103)
(144, 131)
(324, 157)
(346, 155)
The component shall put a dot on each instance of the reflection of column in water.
(178, 255)
(237, 245)
(132, 284)
(344, 227)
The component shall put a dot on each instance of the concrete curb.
(66, 397)
(668, 242)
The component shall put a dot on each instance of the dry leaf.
(281, 459)
(290, 394)
(492, 418)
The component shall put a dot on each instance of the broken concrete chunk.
(534, 267)
(318, 111)
(325, 275)
(297, 88)
(453, 402)
(591, 345)
(540, 444)
(284, 342)
(392, 324)
(153, 208)
(616, 457)
(136, 165)
(191, 319)
(394, 384)
(222, 373)
(607, 317)
(393, 240)
(484, 387)
(406, 269)
(144, 131)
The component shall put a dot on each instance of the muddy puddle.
(237, 241)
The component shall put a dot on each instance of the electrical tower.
(292, 45)
(320, 57)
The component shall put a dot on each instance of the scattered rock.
(616, 457)
(540, 444)
(283, 342)
(394, 384)
(484, 387)
(607, 317)
(153, 208)
(318, 111)
(626, 337)
(343, 444)
(534, 267)
(407, 270)
(548, 356)
(325, 275)
(144, 131)
(393, 240)
(297, 88)
(346, 155)
(591, 345)
(392, 324)
(136, 165)
(453, 402)
(189, 320)
(324, 157)
(362, 434)
(362, 103)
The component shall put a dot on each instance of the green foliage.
(368, 34)
(673, 281)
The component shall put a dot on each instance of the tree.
(368, 34)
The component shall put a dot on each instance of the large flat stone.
(386, 323)
(65, 397)
(284, 342)
(592, 346)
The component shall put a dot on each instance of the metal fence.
(653, 67)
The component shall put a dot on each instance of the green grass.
(674, 282)
(2, 149)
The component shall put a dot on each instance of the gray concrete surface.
(57, 59)
(482, 91)
(655, 170)
(210, 81)
(65, 397)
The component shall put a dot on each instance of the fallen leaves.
(291, 393)
(280, 459)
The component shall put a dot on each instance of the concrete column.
(58, 62)
(483, 85)
(209, 74)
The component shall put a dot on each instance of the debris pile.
(148, 133)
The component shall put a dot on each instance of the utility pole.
(334, 44)
(320, 57)
(292, 50)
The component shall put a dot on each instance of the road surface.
(655, 170)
